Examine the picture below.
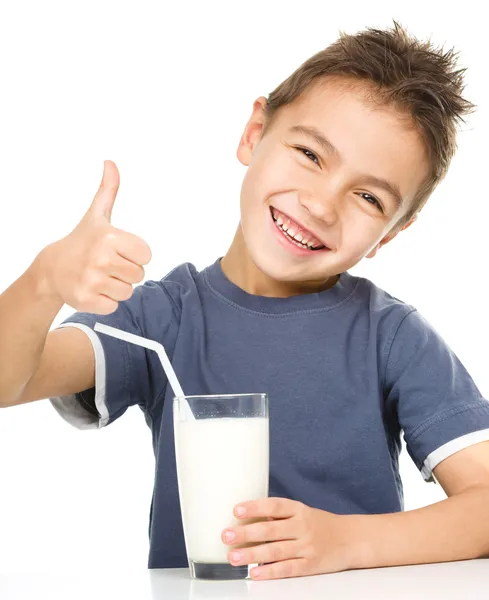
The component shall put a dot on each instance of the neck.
(239, 268)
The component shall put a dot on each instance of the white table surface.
(464, 580)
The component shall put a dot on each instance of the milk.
(220, 463)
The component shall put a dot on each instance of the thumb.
(103, 202)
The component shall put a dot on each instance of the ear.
(390, 236)
(252, 133)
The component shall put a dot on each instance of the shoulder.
(399, 325)
(178, 286)
(183, 277)
(406, 333)
(384, 309)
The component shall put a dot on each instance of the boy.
(341, 157)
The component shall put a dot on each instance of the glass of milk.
(222, 456)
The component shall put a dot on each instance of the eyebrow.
(329, 149)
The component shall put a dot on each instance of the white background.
(165, 90)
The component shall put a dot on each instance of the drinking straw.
(160, 351)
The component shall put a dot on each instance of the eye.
(370, 199)
(375, 201)
(308, 153)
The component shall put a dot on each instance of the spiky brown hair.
(421, 81)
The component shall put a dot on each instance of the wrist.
(359, 545)
(39, 275)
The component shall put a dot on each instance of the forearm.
(456, 528)
(26, 314)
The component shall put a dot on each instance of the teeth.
(298, 237)
(309, 243)
(290, 232)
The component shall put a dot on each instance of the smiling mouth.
(294, 233)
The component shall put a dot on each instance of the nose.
(322, 207)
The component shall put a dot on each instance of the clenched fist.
(93, 268)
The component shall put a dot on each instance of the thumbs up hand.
(93, 268)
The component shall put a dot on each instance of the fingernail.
(236, 556)
(229, 535)
(255, 573)
(241, 511)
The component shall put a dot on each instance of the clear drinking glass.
(222, 456)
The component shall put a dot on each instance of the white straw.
(151, 345)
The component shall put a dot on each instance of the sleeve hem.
(447, 414)
(69, 408)
(451, 447)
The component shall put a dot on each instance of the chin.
(273, 266)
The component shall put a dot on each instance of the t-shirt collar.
(326, 299)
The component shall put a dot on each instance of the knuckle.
(127, 292)
(251, 556)
(82, 298)
(276, 553)
(273, 529)
(140, 275)
(91, 280)
(308, 551)
(85, 274)
(286, 568)
(109, 237)
(307, 535)
(102, 260)
(302, 530)
(260, 532)
(243, 535)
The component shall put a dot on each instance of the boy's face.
(328, 193)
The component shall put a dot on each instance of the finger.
(104, 199)
(133, 248)
(295, 567)
(116, 289)
(265, 553)
(102, 306)
(278, 508)
(263, 531)
(125, 270)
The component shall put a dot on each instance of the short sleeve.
(439, 407)
(125, 374)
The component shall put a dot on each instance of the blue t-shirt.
(346, 370)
